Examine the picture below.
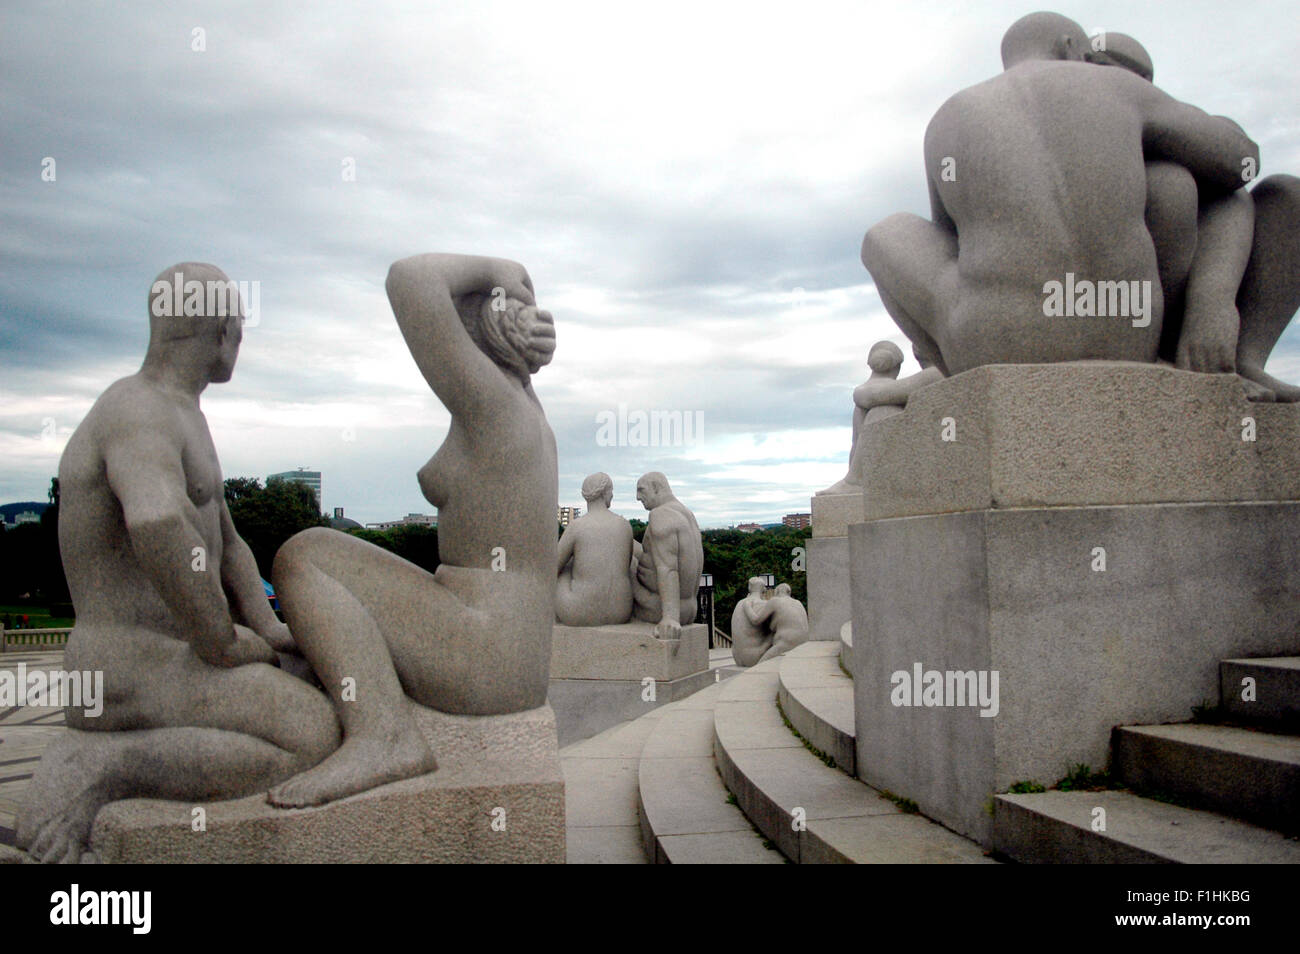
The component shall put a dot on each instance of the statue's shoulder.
(130, 405)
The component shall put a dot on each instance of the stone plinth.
(1099, 535)
(828, 585)
(1078, 434)
(627, 651)
(485, 763)
(599, 673)
(832, 514)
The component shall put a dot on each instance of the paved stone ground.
(24, 734)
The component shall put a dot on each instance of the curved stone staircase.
(752, 770)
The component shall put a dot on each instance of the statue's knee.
(294, 553)
(1280, 188)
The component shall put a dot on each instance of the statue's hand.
(1209, 342)
(513, 278)
(668, 628)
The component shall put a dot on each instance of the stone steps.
(812, 812)
(1057, 828)
(817, 698)
(846, 647)
(1248, 774)
(685, 812)
(1276, 690)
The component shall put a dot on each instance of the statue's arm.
(757, 609)
(423, 290)
(145, 472)
(667, 558)
(895, 392)
(243, 585)
(1214, 149)
(564, 550)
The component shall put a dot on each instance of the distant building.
(749, 527)
(27, 516)
(410, 520)
(309, 477)
(340, 522)
(799, 521)
(23, 511)
(566, 515)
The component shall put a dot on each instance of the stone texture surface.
(1078, 651)
(1078, 435)
(627, 651)
(485, 762)
(828, 586)
(1248, 774)
(1277, 690)
(584, 707)
(1056, 828)
(817, 698)
(832, 514)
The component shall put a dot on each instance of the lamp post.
(704, 604)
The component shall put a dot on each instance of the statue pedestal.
(485, 764)
(603, 675)
(828, 562)
(1100, 536)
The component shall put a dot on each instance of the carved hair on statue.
(596, 486)
(506, 334)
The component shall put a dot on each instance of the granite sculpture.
(885, 358)
(668, 567)
(474, 637)
(1115, 229)
(169, 603)
(594, 585)
(762, 629)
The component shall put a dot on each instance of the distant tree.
(638, 529)
(268, 516)
(30, 562)
(733, 557)
(417, 543)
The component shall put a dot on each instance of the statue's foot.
(1256, 380)
(361, 763)
(62, 800)
(844, 486)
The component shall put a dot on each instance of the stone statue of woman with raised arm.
(473, 638)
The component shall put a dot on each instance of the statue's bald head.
(195, 307)
(652, 489)
(190, 298)
(1043, 36)
(1120, 49)
(783, 589)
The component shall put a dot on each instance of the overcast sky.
(687, 183)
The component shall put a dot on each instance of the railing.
(720, 640)
(31, 638)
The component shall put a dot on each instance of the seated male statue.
(667, 574)
(169, 603)
(594, 587)
(1044, 172)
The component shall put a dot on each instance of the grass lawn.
(40, 617)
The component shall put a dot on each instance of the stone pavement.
(24, 734)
